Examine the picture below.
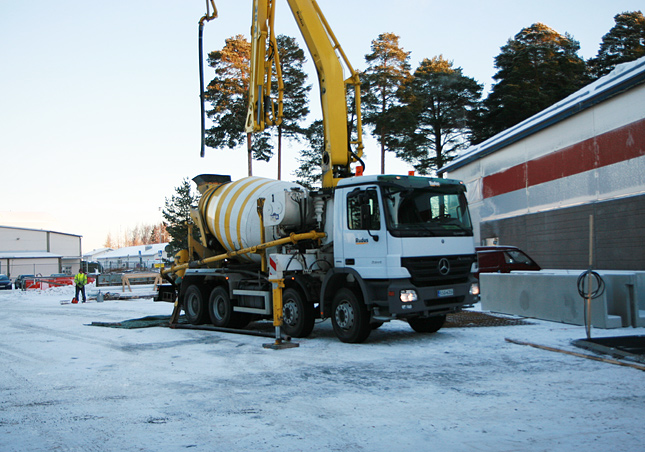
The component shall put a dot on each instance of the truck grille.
(425, 271)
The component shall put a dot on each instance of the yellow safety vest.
(80, 279)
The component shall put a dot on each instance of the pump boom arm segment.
(322, 45)
(328, 57)
(264, 58)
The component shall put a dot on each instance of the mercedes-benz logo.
(444, 266)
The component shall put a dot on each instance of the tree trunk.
(382, 153)
(439, 152)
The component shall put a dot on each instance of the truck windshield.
(427, 211)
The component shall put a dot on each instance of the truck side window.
(363, 210)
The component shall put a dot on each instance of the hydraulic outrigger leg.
(278, 285)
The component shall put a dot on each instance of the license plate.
(445, 293)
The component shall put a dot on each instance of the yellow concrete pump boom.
(323, 47)
(261, 111)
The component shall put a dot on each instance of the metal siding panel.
(616, 146)
(560, 238)
(620, 234)
(619, 110)
(578, 189)
(509, 204)
(624, 178)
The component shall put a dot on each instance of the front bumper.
(432, 299)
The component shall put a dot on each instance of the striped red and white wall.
(538, 191)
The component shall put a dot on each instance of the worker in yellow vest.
(79, 281)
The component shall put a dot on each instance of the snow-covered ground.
(68, 386)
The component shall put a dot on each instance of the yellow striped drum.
(231, 214)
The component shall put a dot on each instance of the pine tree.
(296, 91)
(388, 68)
(228, 93)
(624, 42)
(177, 215)
(435, 123)
(309, 173)
(535, 69)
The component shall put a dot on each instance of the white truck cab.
(404, 244)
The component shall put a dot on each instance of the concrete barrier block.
(638, 300)
(554, 296)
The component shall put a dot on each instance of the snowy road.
(67, 386)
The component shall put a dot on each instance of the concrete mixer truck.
(362, 250)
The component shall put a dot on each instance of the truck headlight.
(408, 296)
(474, 289)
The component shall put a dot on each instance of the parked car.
(503, 259)
(91, 267)
(5, 282)
(19, 283)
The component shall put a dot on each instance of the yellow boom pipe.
(293, 238)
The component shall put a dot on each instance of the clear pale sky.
(99, 101)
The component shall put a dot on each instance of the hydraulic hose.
(358, 159)
(208, 16)
(349, 148)
(600, 285)
(201, 87)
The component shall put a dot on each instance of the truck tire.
(195, 306)
(297, 314)
(220, 310)
(427, 324)
(350, 318)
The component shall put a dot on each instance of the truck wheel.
(297, 314)
(194, 306)
(350, 317)
(427, 324)
(220, 310)
(220, 307)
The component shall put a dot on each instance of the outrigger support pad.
(279, 344)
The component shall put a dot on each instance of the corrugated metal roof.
(622, 78)
(146, 250)
(39, 230)
(96, 253)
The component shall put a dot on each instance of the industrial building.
(26, 251)
(537, 184)
(142, 257)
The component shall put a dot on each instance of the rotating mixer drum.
(231, 214)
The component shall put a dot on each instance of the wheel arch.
(299, 283)
(337, 279)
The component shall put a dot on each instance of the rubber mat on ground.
(479, 319)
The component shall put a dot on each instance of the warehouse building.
(26, 251)
(142, 257)
(576, 167)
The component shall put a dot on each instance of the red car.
(503, 259)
